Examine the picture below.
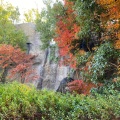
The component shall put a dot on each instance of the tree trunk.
(4, 75)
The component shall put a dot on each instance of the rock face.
(50, 73)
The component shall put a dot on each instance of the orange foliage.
(67, 28)
(112, 7)
(66, 31)
(110, 20)
(17, 61)
(80, 87)
(117, 44)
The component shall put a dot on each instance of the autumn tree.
(17, 63)
(99, 22)
(66, 32)
(111, 24)
(86, 20)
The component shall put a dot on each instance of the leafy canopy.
(46, 22)
(8, 32)
(96, 21)
(17, 63)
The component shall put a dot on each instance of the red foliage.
(67, 28)
(67, 31)
(17, 62)
(80, 87)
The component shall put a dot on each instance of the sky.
(25, 5)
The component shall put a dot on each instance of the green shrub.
(102, 64)
(18, 101)
(109, 88)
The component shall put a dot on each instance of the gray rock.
(50, 73)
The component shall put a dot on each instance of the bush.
(18, 101)
(103, 63)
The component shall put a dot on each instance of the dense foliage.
(45, 22)
(13, 61)
(88, 37)
(19, 101)
(87, 33)
(9, 15)
(16, 64)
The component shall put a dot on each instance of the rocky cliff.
(50, 72)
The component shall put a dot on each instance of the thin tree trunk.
(4, 75)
